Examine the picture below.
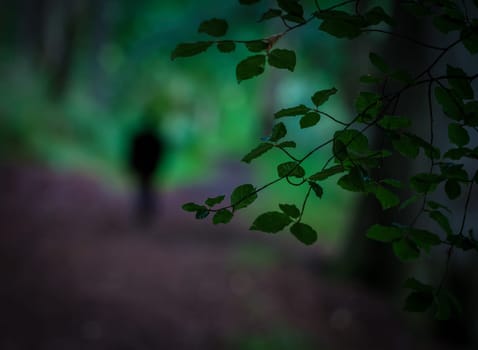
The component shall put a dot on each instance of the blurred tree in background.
(78, 74)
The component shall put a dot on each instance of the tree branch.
(404, 37)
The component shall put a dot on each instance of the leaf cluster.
(352, 161)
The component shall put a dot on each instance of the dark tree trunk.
(63, 58)
(367, 261)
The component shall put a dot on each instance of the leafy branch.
(352, 157)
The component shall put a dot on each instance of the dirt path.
(77, 273)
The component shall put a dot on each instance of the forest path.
(78, 273)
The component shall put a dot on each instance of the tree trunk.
(364, 260)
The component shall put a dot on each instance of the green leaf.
(283, 59)
(436, 205)
(322, 96)
(409, 201)
(369, 79)
(424, 182)
(256, 45)
(378, 62)
(405, 146)
(354, 140)
(278, 131)
(250, 67)
(412, 283)
(458, 135)
(405, 249)
(326, 173)
(287, 144)
(290, 209)
(271, 13)
(377, 15)
(257, 152)
(368, 104)
(424, 239)
(243, 196)
(292, 7)
(318, 190)
(304, 233)
(418, 301)
(293, 18)
(290, 169)
(248, 2)
(190, 49)
(471, 113)
(454, 303)
(441, 220)
(384, 233)
(191, 207)
(226, 46)
(450, 105)
(463, 242)
(452, 189)
(292, 111)
(214, 27)
(340, 24)
(340, 150)
(454, 171)
(271, 222)
(202, 213)
(391, 122)
(469, 38)
(392, 182)
(214, 200)
(386, 198)
(223, 216)
(309, 119)
(445, 305)
(430, 151)
(446, 24)
(461, 84)
(353, 181)
(458, 153)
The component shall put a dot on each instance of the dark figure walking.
(145, 154)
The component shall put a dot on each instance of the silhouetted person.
(146, 152)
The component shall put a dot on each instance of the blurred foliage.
(121, 68)
(110, 87)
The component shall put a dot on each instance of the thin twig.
(304, 203)
(432, 120)
(465, 10)
(465, 213)
(404, 37)
(332, 118)
(447, 267)
(317, 5)
(357, 7)
(288, 154)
